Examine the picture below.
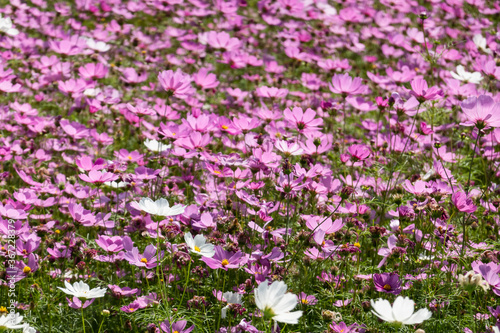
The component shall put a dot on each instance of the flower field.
(252, 166)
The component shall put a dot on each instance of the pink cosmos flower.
(110, 244)
(422, 92)
(303, 121)
(222, 40)
(93, 71)
(98, 177)
(271, 92)
(481, 112)
(130, 75)
(76, 303)
(463, 203)
(205, 79)
(7, 86)
(176, 83)
(418, 189)
(343, 84)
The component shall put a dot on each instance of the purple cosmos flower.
(224, 259)
(343, 328)
(177, 327)
(387, 283)
(76, 303)
(148, 259)
(307, 299)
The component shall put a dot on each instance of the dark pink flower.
(463, 203)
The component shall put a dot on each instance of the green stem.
(186, 283)
(83, 320)
(472, 161)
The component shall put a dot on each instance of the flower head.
(401, 312)
(82, 290)
(462, 75)
(199, 245)
(159, 207)
(481, 112)
(387, 283)
(276, 303)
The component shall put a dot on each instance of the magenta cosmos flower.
(224, 259)
(463, 203)
(387, 283)
(345, 85)
(176, 83)
(481, 112)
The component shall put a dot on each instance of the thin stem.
(83, 320)
(186, 283)
(472, 161)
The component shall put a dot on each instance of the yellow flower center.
(132, 309)
(305, 301)
(217, 172)
(175, 332)
(144, 260)
(26, 270)
(357, 244)
(387, 287)
(224, 127)
(173, 133)
(129, 157)
(3, 309)
(197, 249)
(225, 262)
(58, 231)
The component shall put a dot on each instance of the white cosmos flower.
(7, 27)
(495, 329)
(114, 184)
(11, 321)
(160, 207)
(97, 46)
(462, 75)
(199, 245)
(28, 329)
(156, 146)
(92, 92)
(231, 298)
(400, 312)
(480, 42)
(275, 303)
(82, 290)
